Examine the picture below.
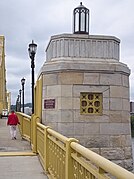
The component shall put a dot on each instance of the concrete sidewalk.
(16, 158)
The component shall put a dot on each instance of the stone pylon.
(86, 94)
(86, 90)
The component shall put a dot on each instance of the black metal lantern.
(23, 81)
(32, 49)
(81, 20)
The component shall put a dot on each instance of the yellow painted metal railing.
(25, 125)
(65, 158)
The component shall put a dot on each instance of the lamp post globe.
(32, 51)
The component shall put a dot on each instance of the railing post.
(35, 119)
(22, 127)
(32, 128)
(46, 144)
(21, 123)
(68, 160)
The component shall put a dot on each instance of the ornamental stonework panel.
(91, 103)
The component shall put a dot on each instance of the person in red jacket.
(12, 122)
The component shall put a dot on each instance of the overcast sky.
(24, 20)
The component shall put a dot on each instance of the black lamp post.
(32, 51)
(20, 98)
(23, 82)
(17, 104)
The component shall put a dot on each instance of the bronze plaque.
(49, 103)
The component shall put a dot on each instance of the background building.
(3, 91)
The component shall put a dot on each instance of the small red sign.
(49, 103)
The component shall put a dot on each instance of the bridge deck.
(16, 157)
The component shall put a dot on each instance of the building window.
(91, 103)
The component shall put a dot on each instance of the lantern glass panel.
(87, 22)
(77, 22)
(82, 21)
(32, 47)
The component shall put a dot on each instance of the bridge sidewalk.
(16, 158)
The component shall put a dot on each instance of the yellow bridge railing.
(65, 158)
(25, 127)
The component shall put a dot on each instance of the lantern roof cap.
(80, 6)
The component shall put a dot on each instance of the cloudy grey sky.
(24, 20)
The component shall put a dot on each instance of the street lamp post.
(20, 98)
(23, 82)
(17, 104)
(32, 51)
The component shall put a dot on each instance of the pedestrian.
(12, 122)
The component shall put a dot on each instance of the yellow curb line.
(4, 154)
